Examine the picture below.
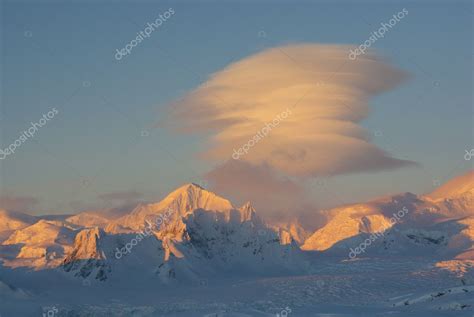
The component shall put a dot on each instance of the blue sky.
(111, 136)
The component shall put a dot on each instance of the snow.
(43, 244)
(348, 222)
(194, 254)
(369, 287)
(290, 231)
(456, 187)
(181, 201)
(10, 221)
(89, 219)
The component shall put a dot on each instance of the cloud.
(110, 205)
(327, 94)
(18, 203)
(111, 200)
(108, 211)
(260, 183)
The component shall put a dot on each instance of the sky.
(115, 138)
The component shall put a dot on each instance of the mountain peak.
(14, 220)
(456, 187)
(192, 186)
(247, 212)
(180, 202)
(192, 196)
(247, 206)
(196, 185)
(188, 189)
(86, 245)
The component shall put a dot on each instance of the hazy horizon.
(115, 132)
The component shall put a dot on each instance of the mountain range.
(193, 234)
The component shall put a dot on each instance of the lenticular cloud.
(327, 93)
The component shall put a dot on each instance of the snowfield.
(195, 254)
(367, 287)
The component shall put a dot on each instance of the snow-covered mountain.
(190, 233)
(14, 220)
(291, 231)
(348, 222)
(87, 256)
(456, 197)
(11, 221)
(438, 223)
(183, 200)
(194, 237)
(89, 219)
(193, 232)
(40, 245)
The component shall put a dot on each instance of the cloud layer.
(327, 94)
(18, 203)
(261, 185)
